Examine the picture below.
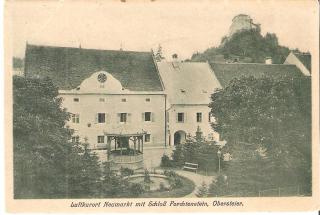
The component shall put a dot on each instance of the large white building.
(128, 93)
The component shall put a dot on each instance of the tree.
(249, 46)
(218, 187)
(46, 163)
(202, 190)
(267, 125)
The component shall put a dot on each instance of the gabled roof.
(68, 67)
(226, 72)
(188, 82)
(305, 59)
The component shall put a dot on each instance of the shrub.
(135, 189)
(165, 161)
(218, 187)
(126, 172)
(147, 177)
(169, 173)
(202, 190)
(162, 187)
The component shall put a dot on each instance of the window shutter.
(152, 139)
(176, 117)
(118, 117)
(185, 117)
(153, 117)
(142, 117)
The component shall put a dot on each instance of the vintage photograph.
(159, 99)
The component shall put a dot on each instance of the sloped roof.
(188, 82)
(226, 72)
(305, 60)
(68, 67)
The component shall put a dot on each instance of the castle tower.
(241, 22)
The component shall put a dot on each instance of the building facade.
(125, 92)
(188, 86)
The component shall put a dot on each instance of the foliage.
(187, 187)
(267, 126)
(146, 178)
(162, 187)
(249, 45)
(218, 187)
(178, 156)
(197, 150)
(202, 190)
(165, 161)
(135, 189)
(46, 163)
(126, 172)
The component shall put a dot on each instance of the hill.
(246, 46)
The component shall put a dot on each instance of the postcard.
(163, 106)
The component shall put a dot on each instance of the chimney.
(268, 60)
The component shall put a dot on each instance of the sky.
(182, 27)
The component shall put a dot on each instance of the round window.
(102, 77)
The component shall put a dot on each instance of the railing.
(275, 192)
(126, 158)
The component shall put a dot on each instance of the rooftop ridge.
(89, 49)
(252, 64)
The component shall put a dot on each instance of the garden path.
(197, 180)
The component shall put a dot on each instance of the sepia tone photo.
(168, 104)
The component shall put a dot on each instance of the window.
(100, 139)
(199, 117)
(75, 139)
(75, 118)
(147, 116)
(124, 100)
(101, 117)
(180, 117)
(102, 100)
(147, 99)
(123, 117)
(76, 99)
(147, 138)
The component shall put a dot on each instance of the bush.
(135, 189)
(147, 177)
(162, 187)
(126, 172)
(165, 161)
(218, 187)
(169, 173)
(202, 190)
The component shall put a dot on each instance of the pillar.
(109, 147)
(142, 144)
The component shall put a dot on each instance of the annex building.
(124, 102)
